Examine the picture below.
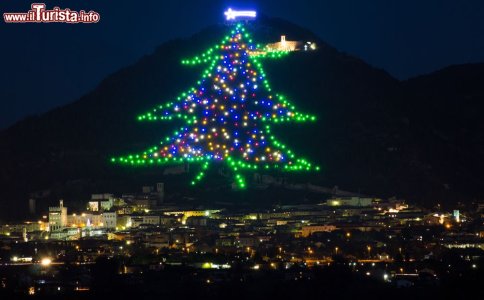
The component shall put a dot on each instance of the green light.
(178, 109)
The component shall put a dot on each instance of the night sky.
(47, 65)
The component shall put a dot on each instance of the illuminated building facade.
(57, 217)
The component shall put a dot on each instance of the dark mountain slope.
(446, 112)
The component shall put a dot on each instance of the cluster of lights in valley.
(228, 115)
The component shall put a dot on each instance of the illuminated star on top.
(231, 14)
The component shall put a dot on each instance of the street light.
(336, 250)
(46, 262)
(369, 250)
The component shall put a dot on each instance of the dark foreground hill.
(420, 139)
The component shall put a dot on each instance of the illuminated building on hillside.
(57, 217)
(100, 202)
(285, 45)
(105, 220)
(351, 201)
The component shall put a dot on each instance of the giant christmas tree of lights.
(227, 116)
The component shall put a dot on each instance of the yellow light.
(46, 261)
